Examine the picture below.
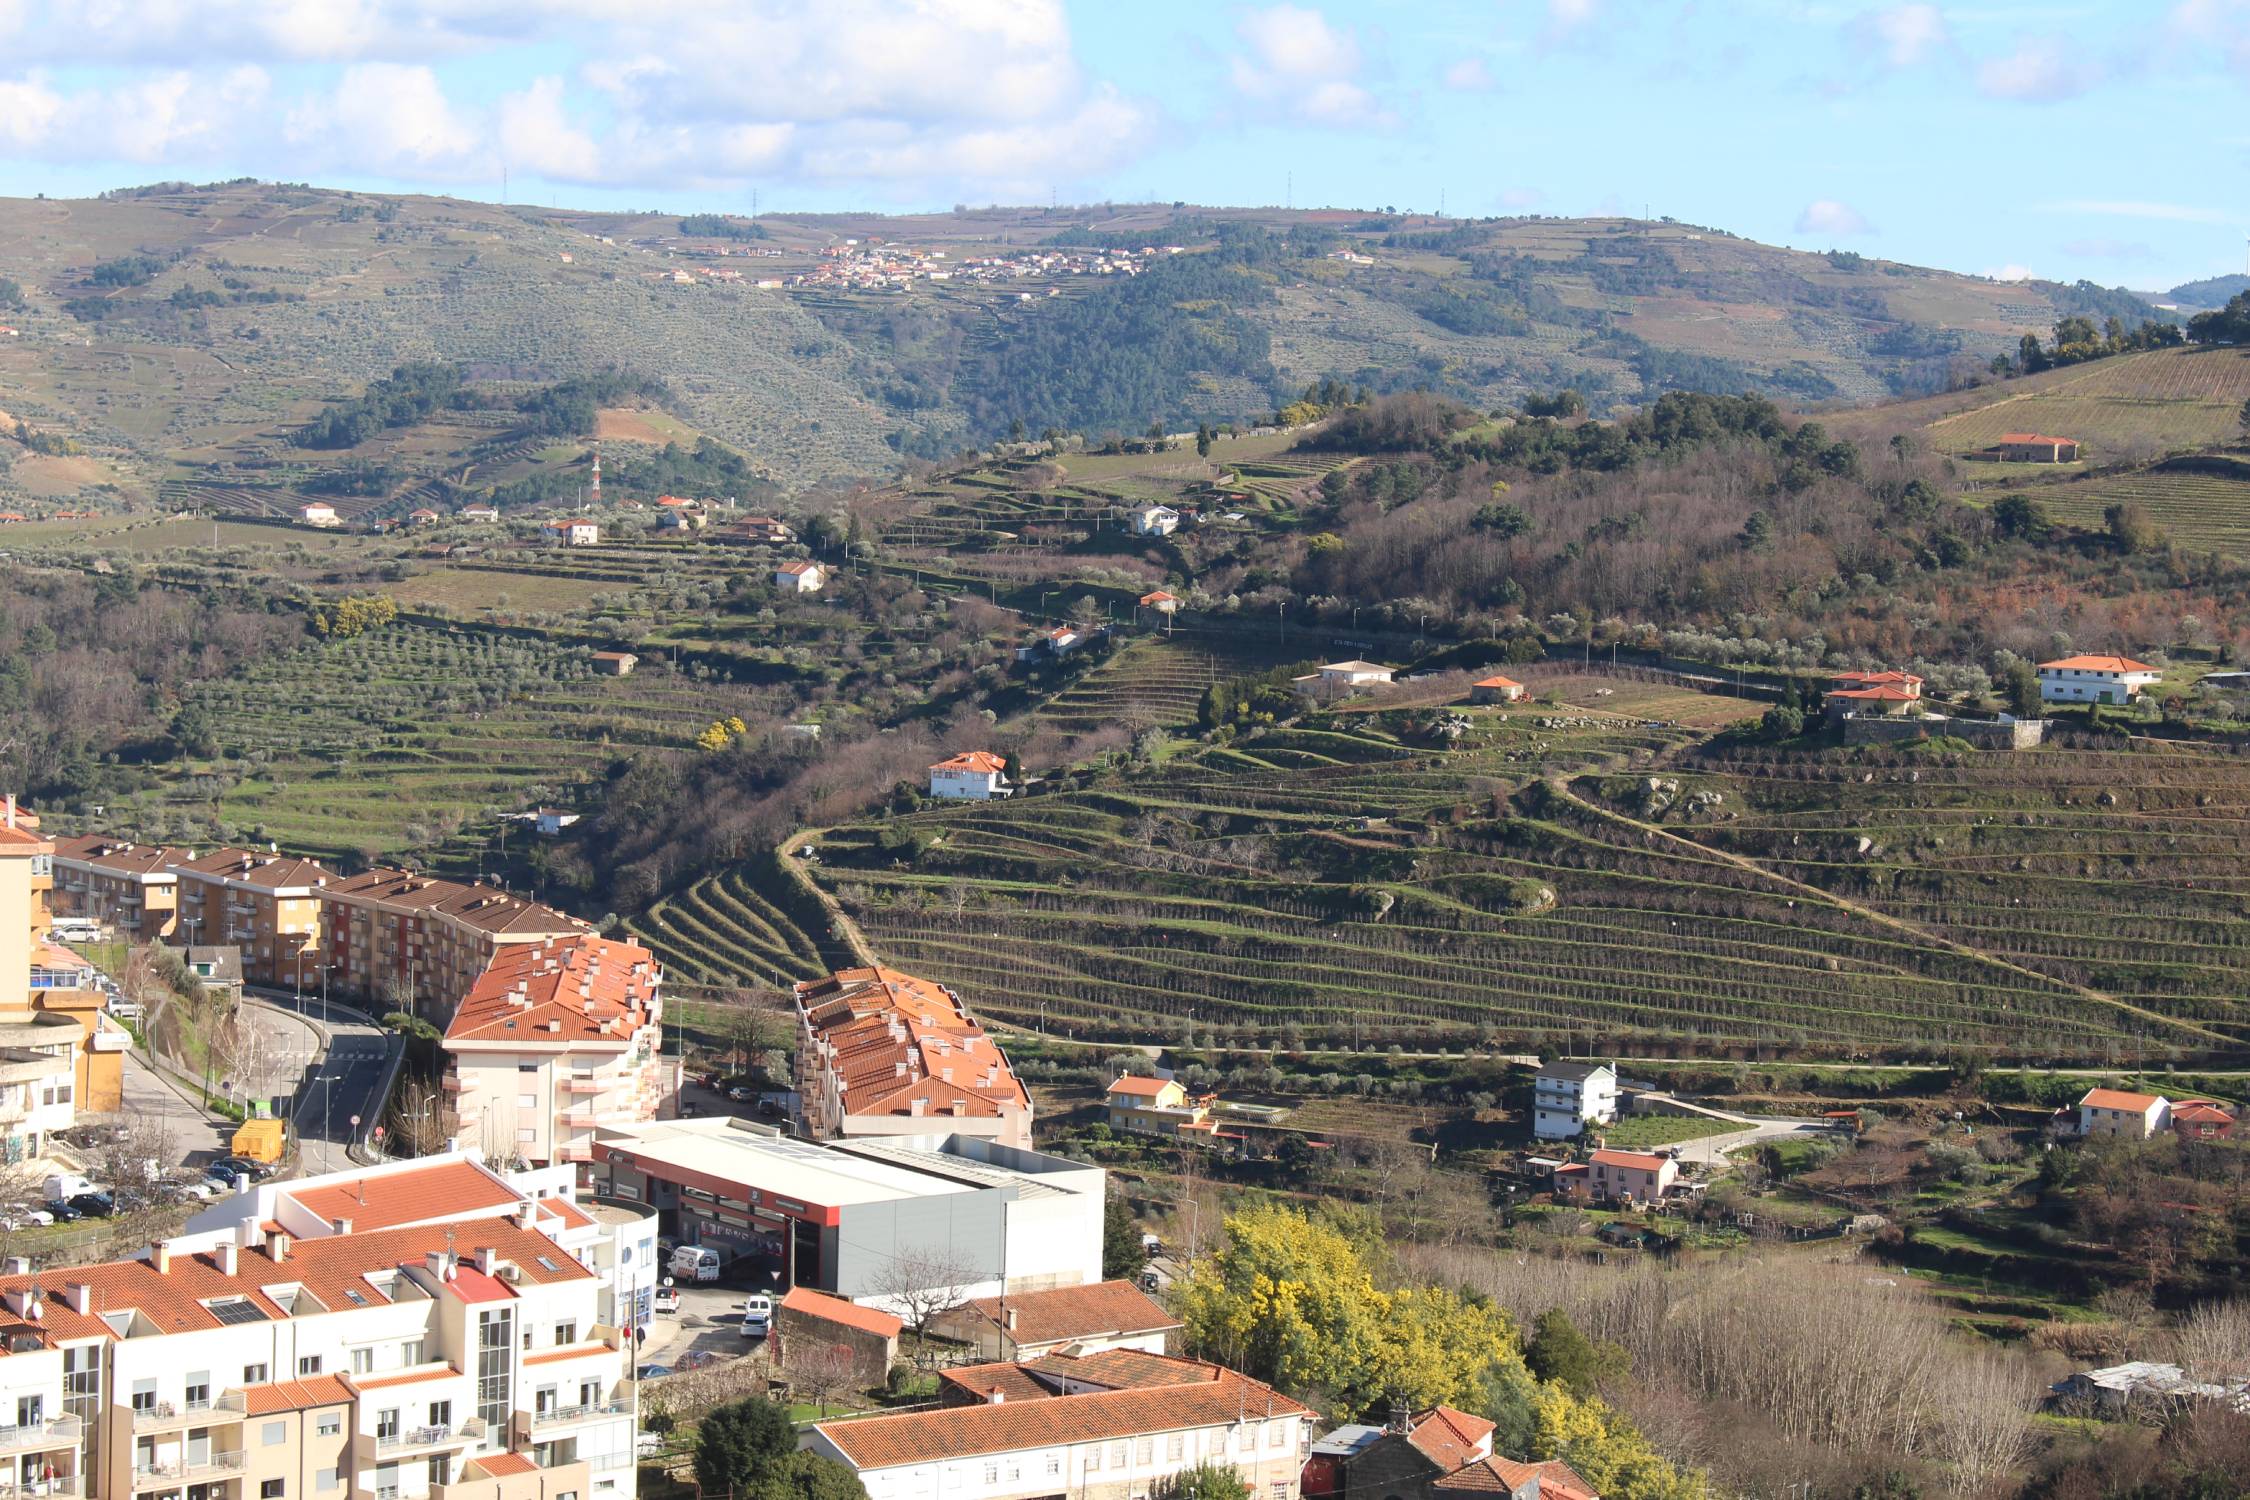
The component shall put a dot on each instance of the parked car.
(654, 1372)
(61, 1212)
(94, 1205)
(25, 1218)
(250, 1166)
(667, 1299)
(757, 1315)
(224, 1175)
(739, 1094)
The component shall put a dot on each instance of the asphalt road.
(342, 1084)
(198, 1138)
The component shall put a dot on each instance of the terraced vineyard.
(722, 931)
(2123, 871)
(380, 742)
(1344, 876)
(1158, 681)
(2166, 400)
(2201, 503)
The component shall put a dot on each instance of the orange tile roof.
(443, 1190)
(798, 569)
(1212, 1397)
(572, 1216)
(973, 760)
(1881, 693)
(1071, 1312)
(1120, 1369)
(2035, 437)
(585, 992)
(892, 1040)
(295, 1395)
(1871, 679)
(2200, 1112)
(2118, 1099)
(1504, 1476)
(119, 856)
(501, 1465)
(174, 1300)
(479, 907)
(1496, 681)
(24, 841)
(572, 1351)
(416, 1377)
(2095, 664)
(1447, 1437)
(1137, 1087)
(1159, 596)
(1644, 1161)
(803, 1299)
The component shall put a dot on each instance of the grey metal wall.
(968, 1228)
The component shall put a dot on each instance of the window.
(566, 1333)
(436, 1469)
(199, 1388)
(308, 1364)
(543, 1400)
(1173, 1444)
(991, 1473)
(1094, 1459)
(144, 1395)
(269, 1489)
(363, 1361)
(329, 1424)
(1144, 1450)
(1054, 1463)
(1276, 1433)
(410, 1353)
(273, 1434)
(386, 1423)
(495, 1388)
(1117, 1455)
(28, 1409)
(325, 1481)
(527, 1101)
(253, 1374)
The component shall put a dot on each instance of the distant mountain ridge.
(178, 328)
(2211, 291)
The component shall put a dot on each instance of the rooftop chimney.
(16, 1265)
(1402, 1417)
(229, 1256)
(527, 1213)
(80, 1296)
(11, 809)
(277, 1246)
(160, 1256)
(488, 1259)
(440, 1264)
(1008, 1319)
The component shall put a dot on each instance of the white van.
(67, 1185)
(695, 1263)
(757, 1315)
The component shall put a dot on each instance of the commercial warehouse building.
(851, 1217)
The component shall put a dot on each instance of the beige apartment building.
(423, 1363)
(556, 1040)
(884, 1053)
(419, 943)
(130, 887)
(58, 1053)
(267, 905)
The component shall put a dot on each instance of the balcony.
(557, 1417)
(451, 1083)
(575, 1151)
(33, 1437)
(190, 1469)
(61, 1487)
(585, 1117)
(582, 1084)
(430, 1439)
(167, 1416)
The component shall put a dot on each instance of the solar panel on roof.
(237, 1310)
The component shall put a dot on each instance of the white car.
(25, 1218)
(667, 1299)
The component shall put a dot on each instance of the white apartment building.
(617, 1244)
(556, 1040)
(1567, 1097)
(1111, 1426)
(434, 1362)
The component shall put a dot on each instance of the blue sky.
(2107, 141)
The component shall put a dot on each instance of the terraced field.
(2163, 401)
(1156, 681)
(723, 932)
(395, 739)
(2203, 504)
(1346, 877)
(2126, 872)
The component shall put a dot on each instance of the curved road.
(342, 1081)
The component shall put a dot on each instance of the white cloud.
(958, 97)
(2133, 208)
(2221, 26)
(2042, 70)
(1567, 19)
(1471, 75)
(1827, 216)
(2009, 272)
(1296, 63)
(2108, 249)
(1903, 35)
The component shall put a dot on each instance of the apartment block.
(59, 1053)
(419, 943)
(419, 1363)
(130, 887)
(267, 905)
(557, 1039)
(884, 1053)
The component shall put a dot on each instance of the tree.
(2130, 529)
(1122, 1252)
(741, 1443)
(807, 1476)
(2021, 516)
(2020, 683)
(1781, 722)
(1212, 1479)
(1559, 1352)
(2243, 420)
(926, 1280)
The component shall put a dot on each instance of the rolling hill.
(169, 331)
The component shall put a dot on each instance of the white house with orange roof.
(2122, 1112)
(971, 776)
(800, 577)
(885, 1053)
(1157, 1106)
(574, 531)
(1630, 1176)
(554, 1041)
(1497, 689)
(2095, 679)
(318, 513)
(1872, 693)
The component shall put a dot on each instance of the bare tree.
(824, 1371)
(2214, 1340)
(1985, 1430)
(924, 1281)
